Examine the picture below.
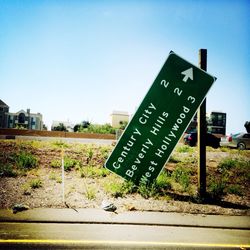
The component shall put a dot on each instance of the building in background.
(118, 118)
(26, 120)
(62, 126)
(4, 110)
(216, 122)
(22, 119)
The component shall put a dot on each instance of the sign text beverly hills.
(160, 120)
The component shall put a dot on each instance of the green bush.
(6, 170)
(25, 160)
(99, 129)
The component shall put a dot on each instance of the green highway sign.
(160, 120)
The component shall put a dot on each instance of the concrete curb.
(98, 216)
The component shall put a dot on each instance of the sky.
(81, 60)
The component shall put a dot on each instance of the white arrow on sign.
(187, 74)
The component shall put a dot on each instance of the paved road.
(23, 235)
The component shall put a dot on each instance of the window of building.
(21, 118)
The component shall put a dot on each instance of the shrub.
(25, 160)
(99, 129)
(6, 170)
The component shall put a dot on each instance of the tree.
(247, 126)
(80, 127)
(123, 124)
(60, 127)
(85, 124)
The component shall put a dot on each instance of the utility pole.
(202, 131)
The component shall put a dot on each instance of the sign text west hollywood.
(160, 120)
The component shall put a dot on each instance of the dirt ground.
(14, 190)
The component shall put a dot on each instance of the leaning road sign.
(160, 120)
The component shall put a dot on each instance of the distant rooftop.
(115, 112)
(3, 103)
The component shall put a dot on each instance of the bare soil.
(16, 190)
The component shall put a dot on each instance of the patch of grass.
(105, 151)
(59, 144)
(26, 160)
(237, 164)
(53, 176)
(156, 189)
(174, 159)
(93, 172)
(35, 183)
(148, 190)
(216, 188)
(91, 193)
(7, 170)
(164, 181)
(26, 189)
(182, 176)
(235, 189)
(69, 163)
(90, 154)
(184, 149)
(56, 163)
(227, 164)
(118, 188)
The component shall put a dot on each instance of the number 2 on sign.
(164, 83)
(178, 91)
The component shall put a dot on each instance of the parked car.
(240, 141)
(211, 140)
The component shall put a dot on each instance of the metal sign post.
(202, 131)
(160, 120)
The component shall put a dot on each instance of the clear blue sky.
(80, 60)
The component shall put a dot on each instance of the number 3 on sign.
(164, 83)
(191, 99)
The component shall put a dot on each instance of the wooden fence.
(25, 132)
